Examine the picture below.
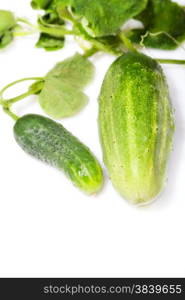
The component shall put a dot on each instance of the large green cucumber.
(52, 143)
(136, 125)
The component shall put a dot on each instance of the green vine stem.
(25, 21)
(90, 52)
(18, 98)
(24, 33)
(7, 103)
(66, 15)
(33, 28)
(171, 61)
(57, 31)
(126, 41)
(10, 113)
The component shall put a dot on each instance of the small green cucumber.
(52, 143)
(136, 125)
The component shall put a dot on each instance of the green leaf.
(37, 87)
(51, 17)
(59, 99)
(165, 20)
(148, 39)
(5, 39)
(62, 95)
(47, 41)
(50, 43)
(7, 24)
(112, 42)
(7, 21)
(77, 70)
(40, 4)
(103, 17)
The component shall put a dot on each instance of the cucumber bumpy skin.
(52, 143)
(136, 125)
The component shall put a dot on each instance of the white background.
(47, 226)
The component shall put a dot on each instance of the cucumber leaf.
(112, 42)
(50, 43)
(41, 4)
(59, 99)
(62, 94)
(51, 17)
(5, 39)
(164, 21)
(47, 41)
(7, 24)
(77, 70)
(158, 40)
(7, 20)
(103, 17)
